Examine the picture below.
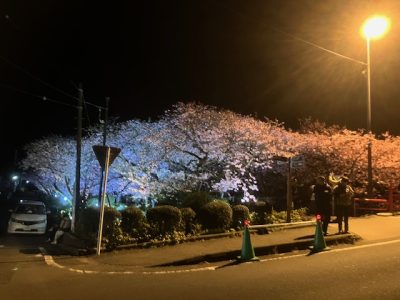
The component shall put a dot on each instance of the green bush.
(195, 200)
(276, 217)
(239, 214)
(261, 211)
(301, 214)
(164, 219)
(132, 220)
(296, 215)
(216, 215)
(88, 225)
(188, 220)
(112, 232)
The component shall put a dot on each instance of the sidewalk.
(200, 253)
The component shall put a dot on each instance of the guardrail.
(369, 205)
(393, 200)
(391, 204)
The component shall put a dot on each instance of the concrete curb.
(266, 250)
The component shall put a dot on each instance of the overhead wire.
(300, 39)
(318, 46)
(43, 98)
(26, 72)
(48, 85)
(37, 78)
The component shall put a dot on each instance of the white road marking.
(50, 262)
(335, 250)
(363, 246)
(282, 257)
(2, 246)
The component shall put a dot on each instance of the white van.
(28, 217)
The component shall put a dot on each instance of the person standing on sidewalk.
(323, 202)
(342, 195)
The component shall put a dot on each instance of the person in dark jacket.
(343, 195)
(323, 202)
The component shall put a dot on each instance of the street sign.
(101, 152)
(297, 162)
(105, 155)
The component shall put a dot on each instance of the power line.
(26, 72)
(318, 46)
(37, 78)
(241, 14)
(43, 98)
(95, 105)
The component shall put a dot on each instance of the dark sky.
(245, 56)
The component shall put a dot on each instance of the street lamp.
(15, 179)
(373, 28)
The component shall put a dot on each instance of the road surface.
(368, 271)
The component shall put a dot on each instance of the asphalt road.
(369, 271)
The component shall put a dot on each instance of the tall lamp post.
(373, 28)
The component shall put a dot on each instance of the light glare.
(375, 27)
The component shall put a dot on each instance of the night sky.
(246, 56)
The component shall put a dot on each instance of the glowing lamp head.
(318, 217)
(246, 223)
(375, 27)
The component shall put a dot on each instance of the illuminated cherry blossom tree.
(195, 147)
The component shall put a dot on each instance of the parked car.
(28, 217)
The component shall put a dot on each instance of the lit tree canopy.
(194, 147)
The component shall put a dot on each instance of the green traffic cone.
(319, 241)
(247, 253)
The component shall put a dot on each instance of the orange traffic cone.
(319, 241)
(247, 253)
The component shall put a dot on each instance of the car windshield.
(30, 209)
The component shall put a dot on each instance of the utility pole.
(77, 190)
(289, 196)
(104, 143)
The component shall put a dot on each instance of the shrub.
(261, 210)
(296, 215)
(87, 223)
(112, 232)
(132, 219)
(239, 214)
(276, 217)
(301, 214)
(164, 219)
(216, 215)
(188, 220)
(195, 200)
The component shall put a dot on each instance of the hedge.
(216, 215)
(239, 214)
(164, 219)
